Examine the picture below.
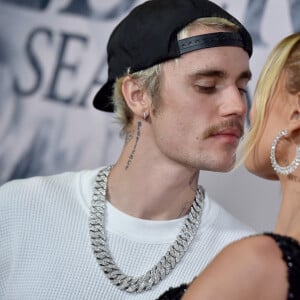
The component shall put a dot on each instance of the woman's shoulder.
(254, 270)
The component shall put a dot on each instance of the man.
(134, 229)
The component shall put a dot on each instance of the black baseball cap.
(148, 36)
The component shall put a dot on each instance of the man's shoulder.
(221, 219)
(219, 228)
(34, 183)
(41, 187)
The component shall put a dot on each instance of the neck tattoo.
(165, 265)
(131, 156)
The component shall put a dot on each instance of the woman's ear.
(135, 96)
(294, 122)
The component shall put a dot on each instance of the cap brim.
(102, 99)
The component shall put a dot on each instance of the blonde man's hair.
(284, 57)
(150, 79)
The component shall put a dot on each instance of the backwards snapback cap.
(148, 36)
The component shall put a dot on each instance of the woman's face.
(276, 119)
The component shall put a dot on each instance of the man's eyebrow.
(208, 73)
(245, 75)
(219, 73)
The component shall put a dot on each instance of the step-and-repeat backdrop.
(53, 60)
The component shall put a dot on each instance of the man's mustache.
(235, 124)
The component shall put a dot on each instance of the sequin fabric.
(174, 293)
(290, 249)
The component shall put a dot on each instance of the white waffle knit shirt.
(45, 250)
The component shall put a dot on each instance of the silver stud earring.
(293, 165)
(145, 115)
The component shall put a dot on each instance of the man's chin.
(228, 166)
(222, 168)
(227, 169)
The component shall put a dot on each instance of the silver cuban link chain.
(165, 265)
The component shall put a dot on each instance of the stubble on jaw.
(129, 137)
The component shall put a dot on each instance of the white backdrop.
(52, 61)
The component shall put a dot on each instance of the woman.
(265, 266)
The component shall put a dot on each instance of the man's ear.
(135, 96)
(294, 122)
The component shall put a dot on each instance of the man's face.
(200, 119)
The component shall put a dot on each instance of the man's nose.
(234, 102)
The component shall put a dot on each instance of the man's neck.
(151, 187)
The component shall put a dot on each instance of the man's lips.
(229, 135)
(235, 132)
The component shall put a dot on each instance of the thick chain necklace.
(165, 265)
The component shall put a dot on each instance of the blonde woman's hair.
(150, 79)
(284, 57)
